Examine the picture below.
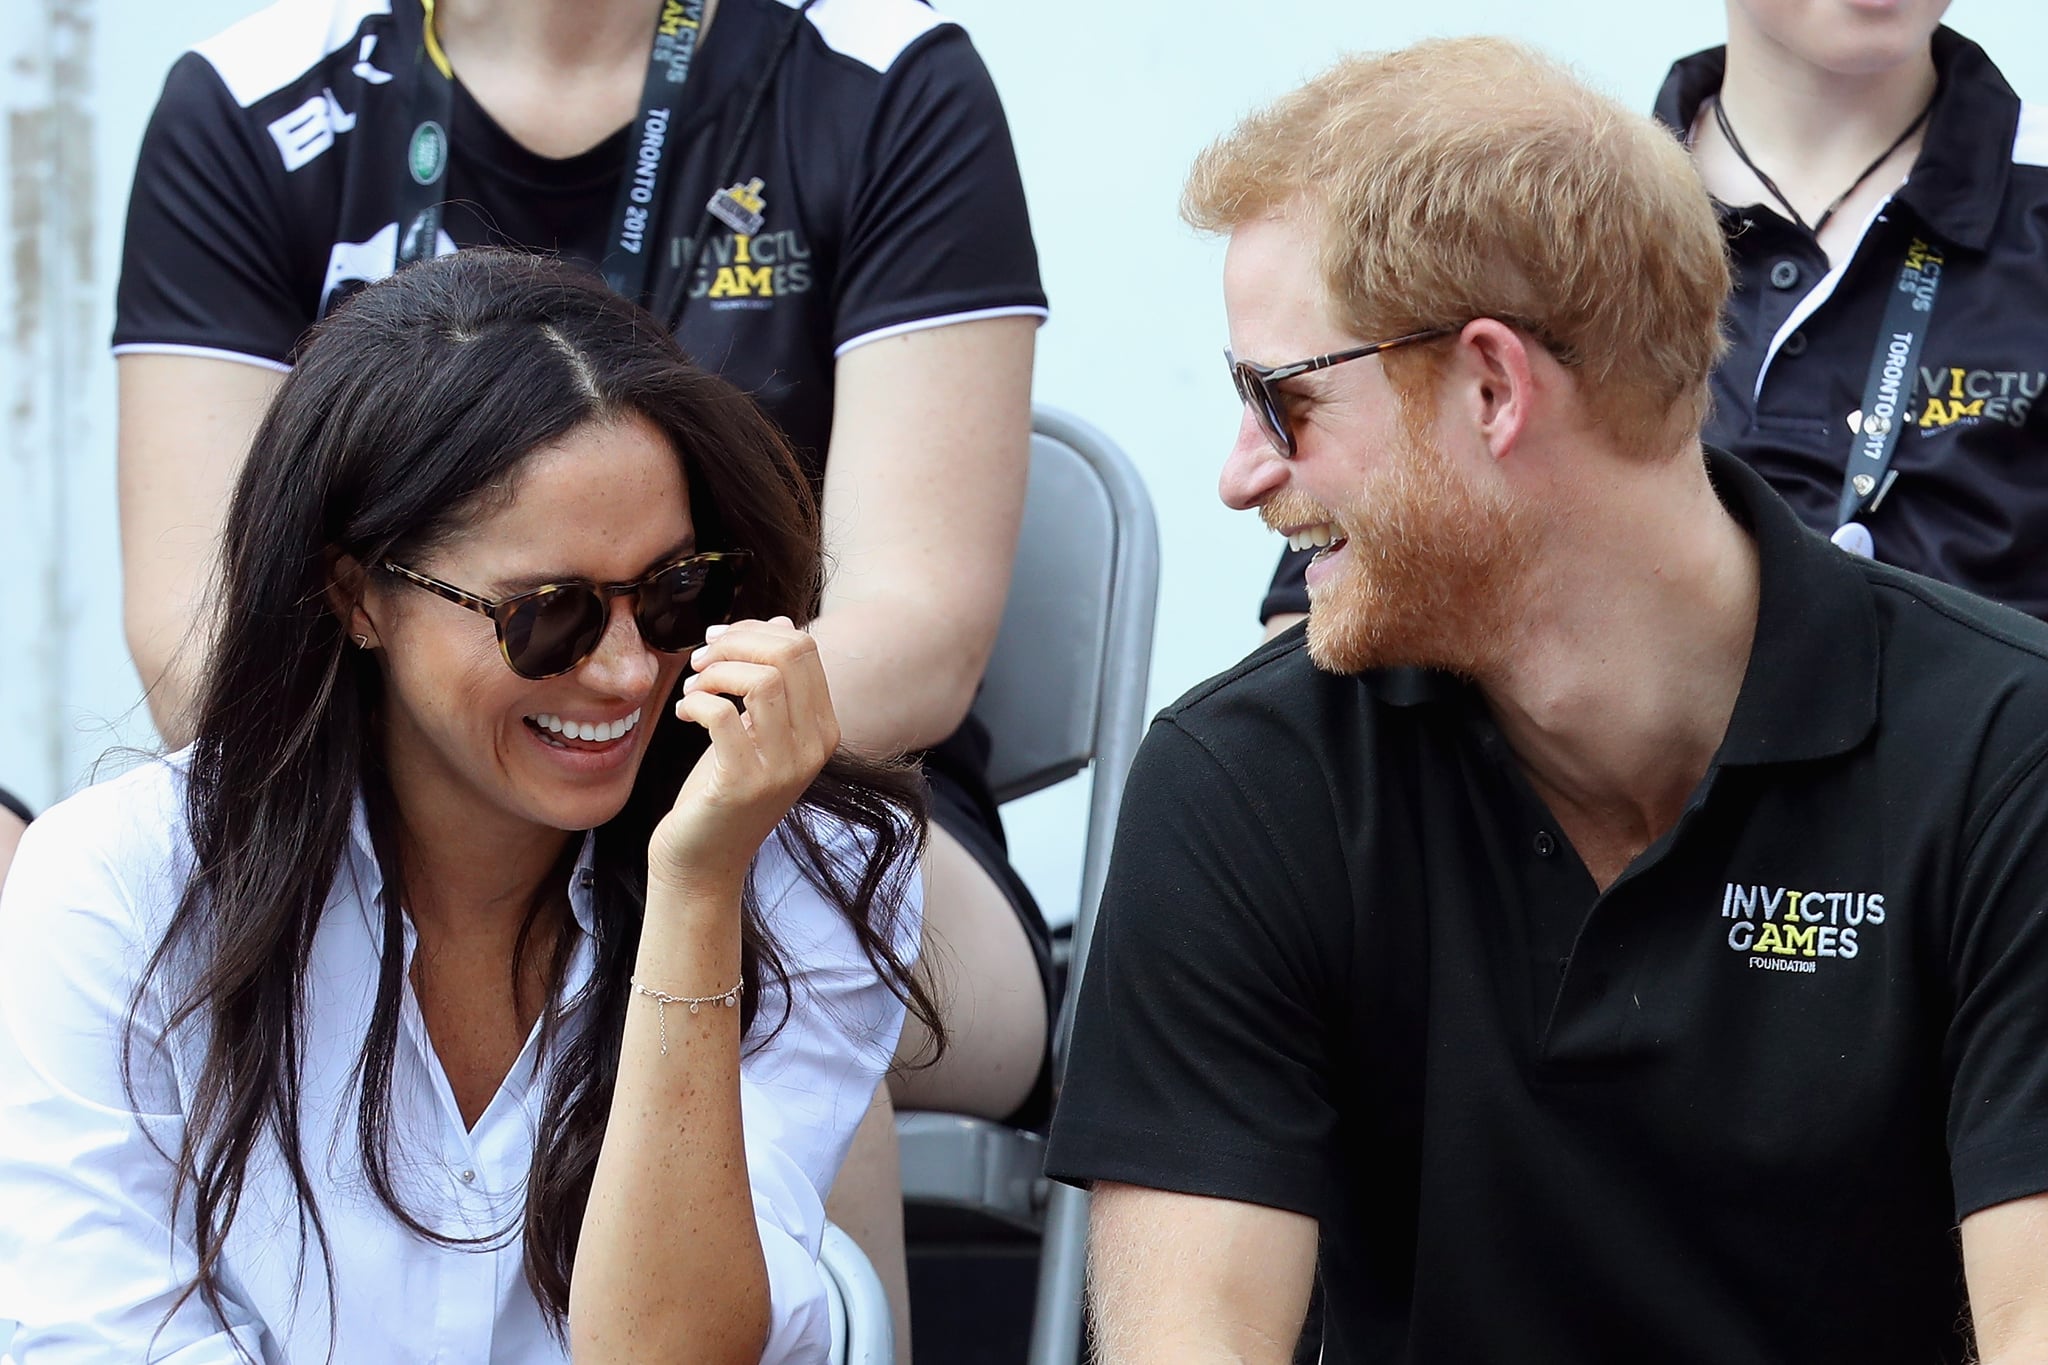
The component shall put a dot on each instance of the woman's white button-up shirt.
(92, 1259)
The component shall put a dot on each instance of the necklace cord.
(1771, 186)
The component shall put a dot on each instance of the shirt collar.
(1810, 690)
(1958, 183)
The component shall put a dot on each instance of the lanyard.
(629, 245)
(1887, 394)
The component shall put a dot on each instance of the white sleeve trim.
(943, 320)
(264, 52)
(872, 32)
(2030, 139)
(202, 352)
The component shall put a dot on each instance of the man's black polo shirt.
(1731, 1110)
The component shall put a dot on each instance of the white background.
(1108, 102)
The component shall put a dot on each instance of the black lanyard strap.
(1888, 392)
(673, 299)
(628, 258)
(426, 150)
(629, 249)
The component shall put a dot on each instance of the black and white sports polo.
(881, 167)
(1729, 1110)
(1970, 503)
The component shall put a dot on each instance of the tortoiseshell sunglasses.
(550, 630)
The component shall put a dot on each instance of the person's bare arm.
(11, 830)
(924, 490)
(185, 427)
(1179, 1279)
(2005, 1261)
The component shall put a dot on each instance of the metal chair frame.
(1065, 688)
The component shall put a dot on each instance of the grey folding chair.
(862, 1331)
(1065, 688)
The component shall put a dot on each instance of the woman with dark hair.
(821, 199)
(332, 1038)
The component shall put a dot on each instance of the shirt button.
(1545, 845)
(469, 1177)
(1795, 345)
(1784, 274)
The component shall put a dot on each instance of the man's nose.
(1253, 471)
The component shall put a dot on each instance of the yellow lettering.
(1936, 415)
(1770, 939)
(1803, 940)
(739, 244)
(1955, 383)
(671, 18)
(738, 282)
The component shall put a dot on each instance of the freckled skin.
(605, 503)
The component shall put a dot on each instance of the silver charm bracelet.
(662, 1000)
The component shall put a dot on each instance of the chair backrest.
(1066, 684)
(862, 1330)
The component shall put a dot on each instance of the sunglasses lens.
(1265, 407)
(553, 631)
(679, 602)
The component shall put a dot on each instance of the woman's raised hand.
(761, 758)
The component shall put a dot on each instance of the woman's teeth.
(603, 732)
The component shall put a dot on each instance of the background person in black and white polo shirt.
(1834, 135)
(1849, 146)
(1614, 932)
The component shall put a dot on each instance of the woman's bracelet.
(662, 1000)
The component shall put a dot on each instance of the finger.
(761, 641)
(763, 688)
(732, 743)
(783, 646)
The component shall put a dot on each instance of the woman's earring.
(362, 641)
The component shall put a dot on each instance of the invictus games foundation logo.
(1964, 396)
(1783, 930)
(427, 156)
(751, 266)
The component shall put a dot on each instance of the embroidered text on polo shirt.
(1787, 930)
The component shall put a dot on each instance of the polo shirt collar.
(1810, 690)
(1958, 182)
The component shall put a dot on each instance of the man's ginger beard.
(1431, 571)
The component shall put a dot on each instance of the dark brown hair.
(408, 409)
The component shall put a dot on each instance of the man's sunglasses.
(547, 632)
(1269, 407)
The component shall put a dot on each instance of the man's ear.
(1499, 383)
(346, 582)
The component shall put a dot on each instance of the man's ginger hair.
(1471, 177)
